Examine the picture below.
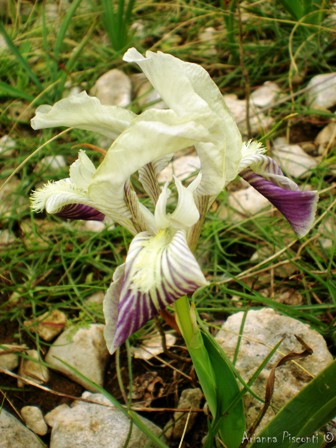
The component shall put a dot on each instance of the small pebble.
(33, 418)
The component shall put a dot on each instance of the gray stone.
(243, 203)
(92, 425)
(51, 164)
(145, 95)
(321, 92)
(6, 237)
(85, 350)
(9, 359)
(94, 226)
(266, 95)
(292, 159)
(190, 399)
(7, 146)
(48, 325)
(208, 41)
(32, 369)
(327, 231)
(326, 138)
(257, 119)
(181, 167)
(15, 434)
(113, 88)
(262, 330)
(33, 418)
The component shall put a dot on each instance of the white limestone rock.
(152, 346)
(292, 159)
(266, 95)
(113, 88)
(189, 399)
(326, 138)
(145, 95)
(258, 120)
(7, 146)
(262, 330)
(321, 93)
(82, 348)
(15, 434)
(327, 231)
(208, 41)
(48, 325)
(32, 369)
(51, 164)
(94, 226)
(181, 167)
(242, 204)
(92, 425)
(33, 418)
(9, 359)
(96, 298)
(6, 237)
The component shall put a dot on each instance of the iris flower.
(160, 266)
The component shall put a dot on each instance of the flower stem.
(182, 309)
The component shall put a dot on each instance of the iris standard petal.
(154, 134)
(83, 112)
(297, 206)
(188, 90)
(186, 213)
(82, 170)
(158, 270)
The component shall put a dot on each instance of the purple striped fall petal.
(69, 198)
(297, 206)
(80, 211)
(159, 269)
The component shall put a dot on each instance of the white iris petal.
(82, 111)
(82, 170)
(55, 195)
(190, 92)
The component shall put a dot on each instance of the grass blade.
(64, 27)
(23, 62)
(13, 92)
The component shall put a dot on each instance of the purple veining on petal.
(297, 206)
(80, 211)
(179, 275)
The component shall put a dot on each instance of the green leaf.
(310, 409)
(204, 370)
(229, 419)
(186, 319)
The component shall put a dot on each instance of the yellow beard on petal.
(146, 273)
